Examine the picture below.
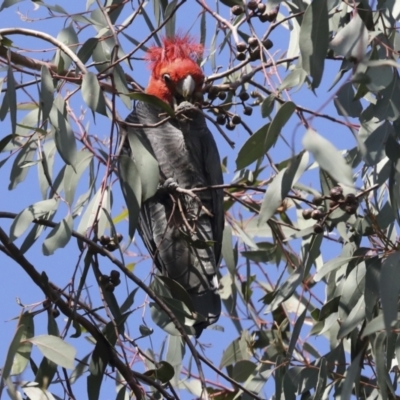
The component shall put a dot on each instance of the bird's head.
(175, 75)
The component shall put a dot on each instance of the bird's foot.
(169, 185)
(185, 110)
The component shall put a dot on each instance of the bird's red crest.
(180, 46)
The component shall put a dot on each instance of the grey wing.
(213, 170)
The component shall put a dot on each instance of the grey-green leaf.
(8, 3)
(64, 136)
(328, 157)
(390, 289)
(25, 217)
(345, 102)
(146, 164)
(12, 98)
(56, 350)
(92, 93)
(59, 236)
(314, 40)
(12, 350)
(352, 39)
(23, 354)
(153, 100)
(281, 186)
(46, 92)
(131, 187)
(253, 148)
(281, 118)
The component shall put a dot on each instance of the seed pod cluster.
(111, 243)
(214, 92)
(252, 48)
(348, 203)
(318, 215)
(253, 45)
(109, 282)
(55, 312)
(256, 8)
(269, 16)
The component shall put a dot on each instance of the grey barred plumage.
(187, 154)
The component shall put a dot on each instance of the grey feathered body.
(186, 152)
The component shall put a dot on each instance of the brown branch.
(101, 250)
(52, 293)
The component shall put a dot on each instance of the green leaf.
(131, 187)
(356, 316)
(352, 376)
(381, 75)
(145, 331)
(86, 50)
(234, 353)
(164, 373)
(153, 100)
(164, 321)
(231, 3)
(345, 102)
(80, 369)
(8, 3)
(296, 332)
(295, 77)
(383, 378)
(59, 236)
(23, 353)
(92, 94)
(322, 379)
(253, 149)
(280, 187)
(179, 293)
(97, 367)
(122, 86)
(314, 40)
(128, 302)
(68, 37)
(45, 373)
(227, 250)
(25, 217)
(24, 156)
(64, 136)
(12, 351)
(375, 141)
(73, 174)
(170, 26)
(176, 351)
(328, 158)
(351, 40)
(101, 54)
(242, 370)
(95, 213)
(267, 105)
(390, 289)
(286, 290)
(56, 350)
(352, 290)
(145, 162)
(46, 92)
(11, 95)
(281, 118)
(330, 266)
(388, 106)
(5, 141)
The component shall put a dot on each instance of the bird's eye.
(166, 78)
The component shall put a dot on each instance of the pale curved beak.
(186, 86)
